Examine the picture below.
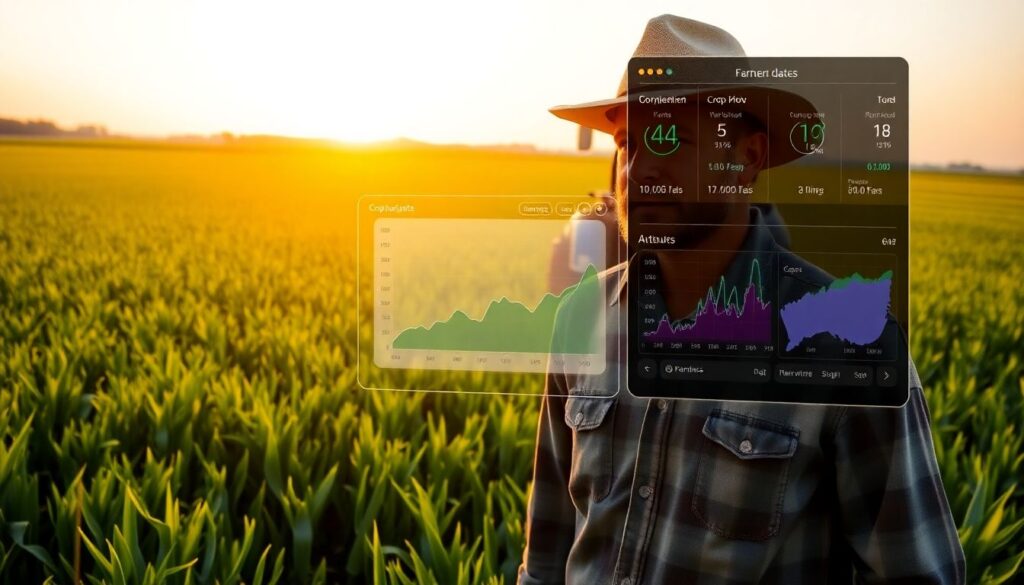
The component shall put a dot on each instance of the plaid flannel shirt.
(629, 491)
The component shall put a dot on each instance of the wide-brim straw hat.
(674, 36)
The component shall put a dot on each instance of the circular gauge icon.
(661, 139)
(807, 137)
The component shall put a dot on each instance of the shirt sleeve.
(550, 516)
(894, 510)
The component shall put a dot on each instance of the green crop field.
(178, 399)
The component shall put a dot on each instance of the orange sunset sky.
(471, 72)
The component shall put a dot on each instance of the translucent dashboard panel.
(487, 294)
(768, 229)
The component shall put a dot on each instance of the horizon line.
(98, 131)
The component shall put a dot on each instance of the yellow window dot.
(650, 71)
(641, 72)
(660, 71)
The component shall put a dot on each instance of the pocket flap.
(749, 437)
(583, 413)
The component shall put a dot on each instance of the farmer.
(630, 491)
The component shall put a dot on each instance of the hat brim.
(600, 115)
(597, 115)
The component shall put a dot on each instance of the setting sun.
(452, 72)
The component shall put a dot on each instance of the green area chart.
(511, 326)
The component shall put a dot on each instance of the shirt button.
(662, 404)
(746, 446)
(645, 491)
(578, 419)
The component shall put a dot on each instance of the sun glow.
(461, 70)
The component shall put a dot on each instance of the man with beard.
(630, 491)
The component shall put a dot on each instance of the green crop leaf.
(272, 463)
(179, 357)
(1003, 571)
(261, 568)
(18, 532)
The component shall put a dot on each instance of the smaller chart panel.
(848, 317)
(485, 294)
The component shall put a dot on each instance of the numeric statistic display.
(768, 229)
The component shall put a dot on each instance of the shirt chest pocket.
(742, 475)
(592, 422)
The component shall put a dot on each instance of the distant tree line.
(11, 127)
